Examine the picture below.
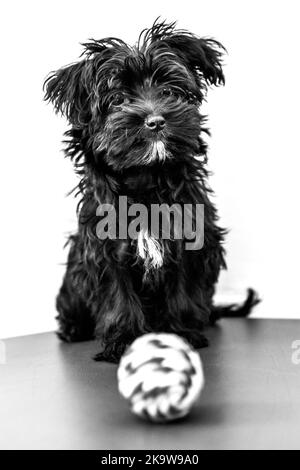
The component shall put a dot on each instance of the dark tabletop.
(54, 396)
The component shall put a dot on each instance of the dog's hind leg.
(74, 316)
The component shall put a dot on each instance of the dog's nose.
(155, 123)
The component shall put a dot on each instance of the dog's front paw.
(111, 353)
(195, 339)
(72, 334)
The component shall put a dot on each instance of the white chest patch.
(150, 250)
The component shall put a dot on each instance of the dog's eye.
(118, 99)
(167, 92)
(191, 97)
(174, 92)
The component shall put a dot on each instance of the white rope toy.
(161, 376)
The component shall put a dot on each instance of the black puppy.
(136, 131)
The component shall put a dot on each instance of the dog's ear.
(203, 56)
(75, 89)
(68, 90)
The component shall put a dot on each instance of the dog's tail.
(235, 310)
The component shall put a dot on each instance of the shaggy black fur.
(108, 97)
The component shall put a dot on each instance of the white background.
(254, 150)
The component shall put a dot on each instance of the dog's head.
(139, 105)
